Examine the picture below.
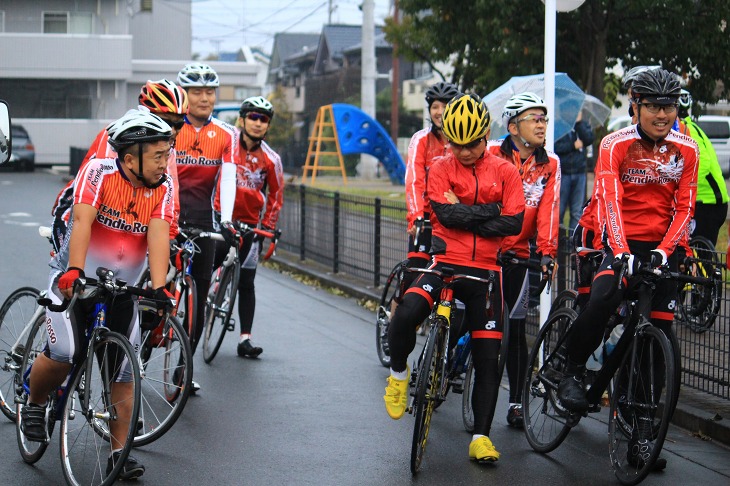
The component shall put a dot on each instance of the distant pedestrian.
(571, 148)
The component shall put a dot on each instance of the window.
(2, 21)
(146, 6)
(715, 129)
(67, 22)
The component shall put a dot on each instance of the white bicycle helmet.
(519, 103)
(197, 75)
(685, 100)
(137, 126)
(257, 104)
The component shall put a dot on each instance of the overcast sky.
(225, 25)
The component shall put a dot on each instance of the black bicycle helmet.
(656, 86)
(441, 91)
(257, 104)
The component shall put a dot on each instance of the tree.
(490, 41)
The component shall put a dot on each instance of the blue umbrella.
(568, 101)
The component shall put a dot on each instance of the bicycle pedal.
(231, 326)
(457, 388)
(594, 408)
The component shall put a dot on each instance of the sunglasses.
(205, 78)
(469, 146)
(654, 108)
(177, 125)
(535, 119)
(257, 117)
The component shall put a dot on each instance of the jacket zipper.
(476, 196)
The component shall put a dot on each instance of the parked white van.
(716, 127)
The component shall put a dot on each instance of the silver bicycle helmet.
(685, 100)
(137, 126)
(197, 75)
(520, 103)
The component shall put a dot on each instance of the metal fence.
(365, 237)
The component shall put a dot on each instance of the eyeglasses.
(468, 146)
(535, 119)
(176, 124)
(257, 117)
(205, 77)
(654, 108)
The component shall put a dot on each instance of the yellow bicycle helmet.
(465, 119)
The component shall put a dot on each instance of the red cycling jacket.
(470, 233)
(540, 175)
(259, 186)
(645, 190)
(425, 145)
(200, 154)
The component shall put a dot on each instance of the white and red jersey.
(541, 184)
(424, 147)
(645, 190)
(100, 149)
(118, 238)
(200, 153)
(259, 186)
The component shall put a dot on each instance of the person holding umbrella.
(525, 116)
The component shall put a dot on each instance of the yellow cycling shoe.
(396, 396)
(482, 450)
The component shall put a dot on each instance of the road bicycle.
(507, 258)
(393, 289)
(639, 374)
(86, 404)
(429, 380)
(224, 289)
(699, 306)
(17, 316)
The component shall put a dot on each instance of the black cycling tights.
(513, 277)
(246, 299)
(201, 271)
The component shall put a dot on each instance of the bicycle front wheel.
(547, 422)
(167, 373)
(699, 305)
(15, 315)
(34, 345)
(219, 312)
(100, 412)
(382, 319)
(428, 381)
(643, 397)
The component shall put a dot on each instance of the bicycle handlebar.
(511, 258)
(106, 281)
(447, 275)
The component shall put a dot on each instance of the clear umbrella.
(568, 101)
(595, 111)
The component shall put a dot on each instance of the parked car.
(22, 158)
(717, 129)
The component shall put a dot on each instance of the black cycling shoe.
(132, 468)
(247, 350)
(33, 422)
(639, 452)
(514, 417)
(572, 395)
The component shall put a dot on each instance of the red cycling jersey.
(100, 149)
(541, 183)
(490, 180)
(118, 238)
(257, 172)
(200, 154)
(425, 145)
(645, 190)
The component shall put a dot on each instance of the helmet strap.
(140, 177)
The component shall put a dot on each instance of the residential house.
(70, 66)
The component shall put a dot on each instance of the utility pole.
(395, 85)
(368, 73)
(329, 12)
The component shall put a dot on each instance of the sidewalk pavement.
(704, 415)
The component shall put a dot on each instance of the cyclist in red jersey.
(162, 98)
(645, 189)
(122, 209)
(466, 236)
(525, 116)
(203, 144)
(251, 191)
